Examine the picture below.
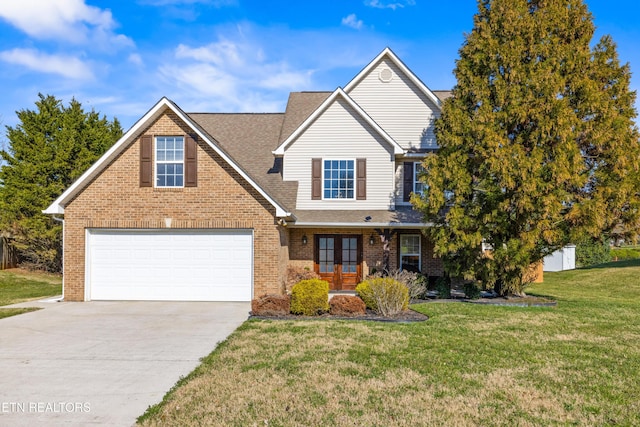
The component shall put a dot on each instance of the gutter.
(359, 225)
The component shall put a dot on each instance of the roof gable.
(388, 54)
(57, 207)
(338, 93)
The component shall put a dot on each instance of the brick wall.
(222, 199)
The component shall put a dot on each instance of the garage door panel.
(185, 265)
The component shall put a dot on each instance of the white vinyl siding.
(341, 133)
(398, 106)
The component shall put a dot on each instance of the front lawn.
(575, 364)
(19, 286)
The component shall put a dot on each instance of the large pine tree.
(48, 150)
(538, 146)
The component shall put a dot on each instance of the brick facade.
(301, 255)
(222, 199)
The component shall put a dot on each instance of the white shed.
(562, 259)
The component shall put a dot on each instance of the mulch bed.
(407, 316)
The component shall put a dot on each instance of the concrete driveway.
(103, 363)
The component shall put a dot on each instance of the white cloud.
(352, 21)
(69, 20)
(135, 59)
(383, 4)
(235, 76)
(66, 66)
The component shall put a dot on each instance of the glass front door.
(338, 260)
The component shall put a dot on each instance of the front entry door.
(338, 260)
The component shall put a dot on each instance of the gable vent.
(385, 75)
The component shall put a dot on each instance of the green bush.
(471, 290)
(310, 297)
(384, 295)
(443, 287)
(621, 254)
(415, 282)
(363, 290)
(592, 252)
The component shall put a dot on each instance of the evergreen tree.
(538, 144)
(47, 151)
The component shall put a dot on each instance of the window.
(169, 161)
(410, 252)
(418, 186)
(338, 177)
(349, 254)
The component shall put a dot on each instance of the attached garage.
(169, 265)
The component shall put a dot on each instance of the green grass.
(19, 286)
(575, 364)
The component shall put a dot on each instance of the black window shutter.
(146, 161)
(407, 181)
(361, 181)
(190, 162)
(316, 179)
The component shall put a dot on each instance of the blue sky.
(234, 55)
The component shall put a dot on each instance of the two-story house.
(215, 207)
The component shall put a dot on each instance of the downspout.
(61, 220)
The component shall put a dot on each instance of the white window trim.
(156, 161)
(355, 182)
(419, 254)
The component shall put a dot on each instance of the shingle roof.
(363, 218)
(300, 106)
(249, 139)
(442, 94)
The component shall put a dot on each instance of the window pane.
(410, 263)
(169, 161)
(338, 179)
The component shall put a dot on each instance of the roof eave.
(397, 149)
(57, 207)
(398, 62)
(360, 225)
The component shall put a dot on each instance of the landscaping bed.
(405, 316)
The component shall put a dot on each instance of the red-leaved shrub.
(271, 305)
(347, 306)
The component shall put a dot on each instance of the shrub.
(471, 290)
(347, 305)
(625, 254)
(384, 295)
(363, 290)
(296, 274)
(310, 297)
(415, 282)
(592, 251)
(443, 287)
(271, 305)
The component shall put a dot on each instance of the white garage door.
(169, 265)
